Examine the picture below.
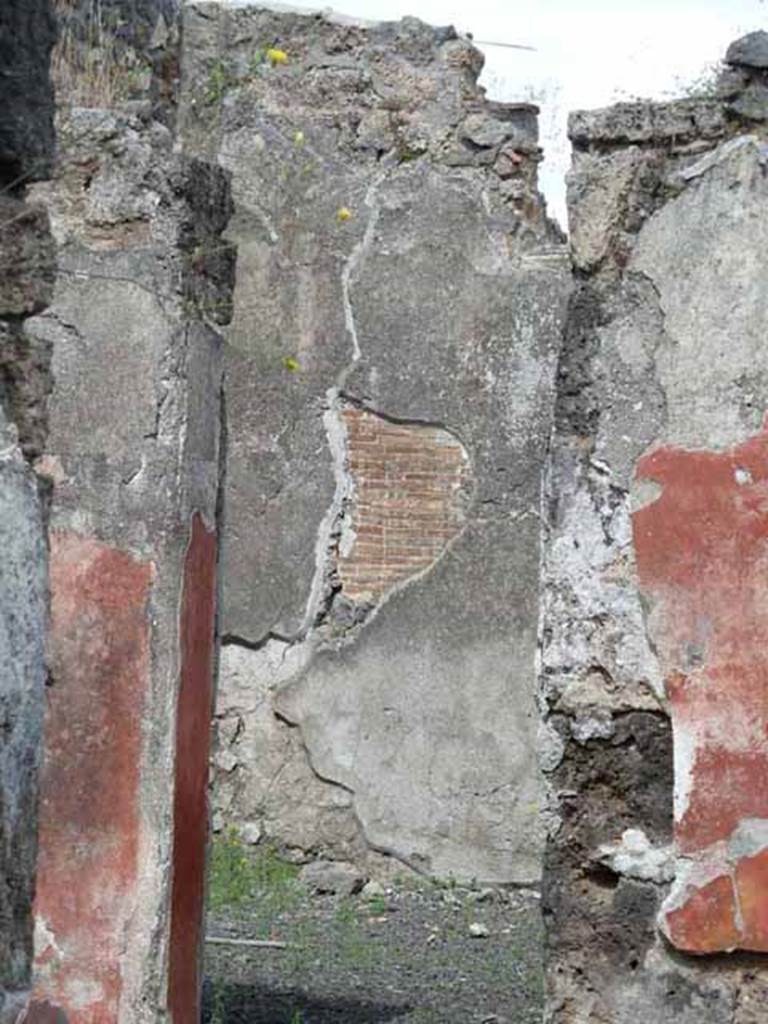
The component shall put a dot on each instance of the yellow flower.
(277, 57)
(291, 364)
(298, 138)
(342, 214)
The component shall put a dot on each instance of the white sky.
(588, 52)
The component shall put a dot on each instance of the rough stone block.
(678, 123)
(332, 878)
(752, 103)
(27, 258)
(25, 383)
(750, 51)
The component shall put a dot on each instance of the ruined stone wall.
(134, 458)
(27, 262)
(400, 372)
(389, 391)
(654, 593)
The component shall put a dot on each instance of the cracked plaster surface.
(434, 301)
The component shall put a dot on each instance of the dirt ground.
(406, 954)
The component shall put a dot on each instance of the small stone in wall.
(250, 832)
(226, 760)
(487, 895)
(752, 103)
(597, 724)
(373, 890)
(750, 51)
(335, 878)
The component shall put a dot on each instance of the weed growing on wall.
(220, 79)
(240, 876)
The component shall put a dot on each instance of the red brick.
(404, 509)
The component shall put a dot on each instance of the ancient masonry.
(411, 472)
(27, 267)
(653, 669)
(390, 370)
(134, 455)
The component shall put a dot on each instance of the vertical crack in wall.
(286, 656)
(352, 265)
(335, 522)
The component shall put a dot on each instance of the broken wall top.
(395, 91)
(631, 158)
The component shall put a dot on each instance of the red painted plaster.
(752, 890)
(702, 557)
(706, 922)
(87, 861)
(190, 815)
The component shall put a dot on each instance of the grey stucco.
(434, 698)
(393, 255)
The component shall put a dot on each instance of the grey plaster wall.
(27, 261)
(664, 345)
(394, 258)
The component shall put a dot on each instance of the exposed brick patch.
(407, 503)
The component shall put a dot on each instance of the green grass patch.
(239, 875)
